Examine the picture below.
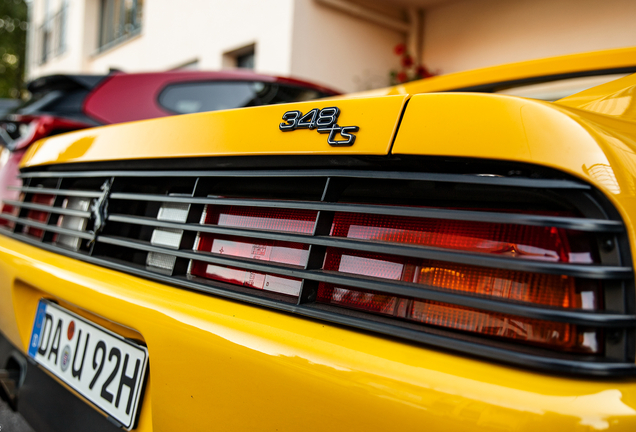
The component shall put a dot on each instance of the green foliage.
(13, 31)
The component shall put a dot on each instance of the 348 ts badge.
(324, 121)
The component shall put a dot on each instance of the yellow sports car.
(392, 260)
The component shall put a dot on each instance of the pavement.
(11, 421)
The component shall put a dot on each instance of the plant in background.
(409, 71)
(13, 26)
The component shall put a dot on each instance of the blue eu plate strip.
(37, 329)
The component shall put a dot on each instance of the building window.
(245, 61)
(51, 35)
(240, 58)
(119, 20)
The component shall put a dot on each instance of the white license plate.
(102, 366)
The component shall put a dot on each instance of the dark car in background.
(63, 103)
(60, 103)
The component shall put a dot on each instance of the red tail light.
(520, 241)
(29, 129)
(10, 210)
(286, 220)
(515, 241)
(296, 221)
(524, 242)
(560, 336)
(544, 289)
(37, 215)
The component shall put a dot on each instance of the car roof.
(126, 97)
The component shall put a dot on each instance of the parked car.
(447, 261)
(8, 104)
(63, 103)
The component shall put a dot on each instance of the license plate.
(100, 365)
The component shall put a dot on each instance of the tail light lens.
(24, 130)
(519, 241)
(295, 221)
(514, 241)
(37, 215)
(560, 336)
(522, 242)
(284, 220)
(9, 210)
(17, 134)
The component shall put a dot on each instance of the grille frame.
(606, 223)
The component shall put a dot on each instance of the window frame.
(120, 35)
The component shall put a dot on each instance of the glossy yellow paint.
(615, 98)
(217, 363)
(249, 131)
(599, 149)
(589, 61)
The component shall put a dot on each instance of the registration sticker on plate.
(102, 366)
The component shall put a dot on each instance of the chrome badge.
(324, 121)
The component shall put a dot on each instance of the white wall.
(197, 29)
(334, 48)
(71, 58)
(475, 33)
(298, 38)
(203, 30)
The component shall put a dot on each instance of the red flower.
(399, 49)
(401, 77)
(407, 61)
(422, 72)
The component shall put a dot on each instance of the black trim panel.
(123, 220)
(388, 175)
(49, 407)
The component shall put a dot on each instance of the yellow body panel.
(588, 61)
(217, 363)
(244, 132)
(596, 148)
(615, 98)
(221, 364)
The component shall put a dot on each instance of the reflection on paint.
(619, 103)
(445, 397)
(604, 175)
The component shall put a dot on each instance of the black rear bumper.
(47, 405)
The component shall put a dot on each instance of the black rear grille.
(144, 211)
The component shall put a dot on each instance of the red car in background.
(62, 103)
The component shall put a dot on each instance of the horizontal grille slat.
(387, 175)
(578, 224)
(52, 209)
(64, 192)
(45, 227)
(432, 253)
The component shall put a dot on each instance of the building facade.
(345, 44)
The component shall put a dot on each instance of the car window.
(186, 98)
(558, 89)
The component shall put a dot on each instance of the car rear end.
(463, 263)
